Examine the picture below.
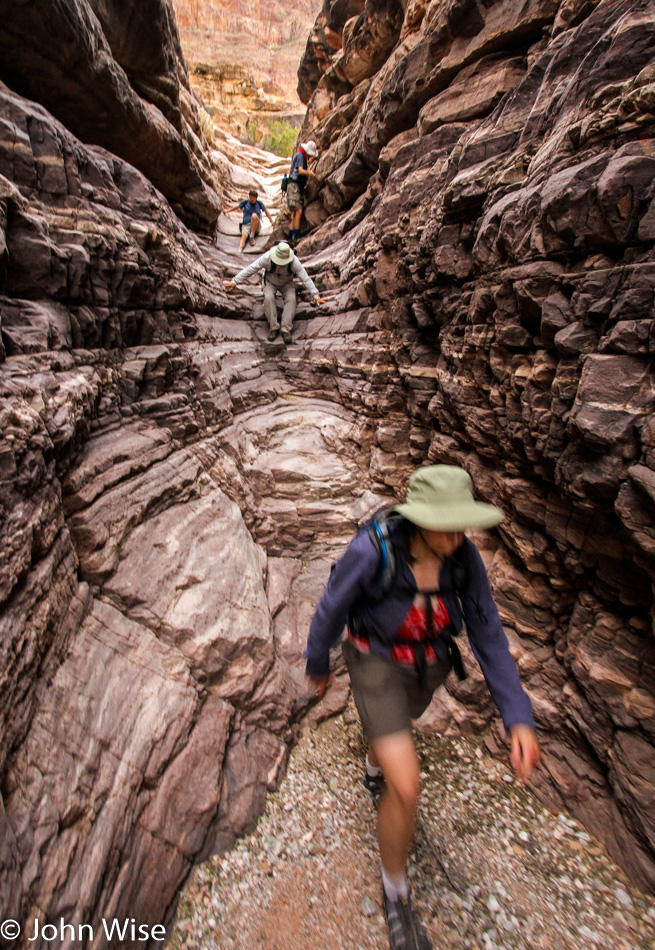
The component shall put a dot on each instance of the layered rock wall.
(113, 73)
(173, 488)
(266, 38)
(493, 182)
(154, 600)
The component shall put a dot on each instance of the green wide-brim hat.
(440, 498)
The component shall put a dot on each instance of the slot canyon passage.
(174, 488)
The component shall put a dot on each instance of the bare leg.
(396, 756)
(396, 820)
(243, 239)
(372, 758)
(255, 225)
(295, 220)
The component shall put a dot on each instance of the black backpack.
(279, 267)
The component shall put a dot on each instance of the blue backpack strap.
(378, 531)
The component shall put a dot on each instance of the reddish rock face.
(173, 489)
(114, 74)
(266, 39)
(171, 506)
(487, 192)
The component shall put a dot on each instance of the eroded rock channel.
(174, 489)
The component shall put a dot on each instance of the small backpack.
(279, 267)
(285, 182)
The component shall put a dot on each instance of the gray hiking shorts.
(294, 196)
(389, 695)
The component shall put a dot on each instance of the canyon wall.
(486, 206)
(114, 74)
(156, 573)
(243, 63)
(174, 488)
(265, 39)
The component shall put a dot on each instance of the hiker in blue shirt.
(252, 218)
(299, 174)
(404, 588)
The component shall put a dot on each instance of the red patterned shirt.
(414, 628)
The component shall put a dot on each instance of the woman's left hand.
(525, 751)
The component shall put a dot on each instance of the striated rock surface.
(265, 38)
(243, 63)
(116, 77)
(174, 488)
(485, 204)
(169, 502)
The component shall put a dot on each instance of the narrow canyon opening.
(175, 487)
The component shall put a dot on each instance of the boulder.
(112, 89)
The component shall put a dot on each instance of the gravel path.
(492, 870)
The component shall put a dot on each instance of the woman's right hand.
(229, 284)
(321, 683)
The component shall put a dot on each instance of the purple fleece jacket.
(474, 606)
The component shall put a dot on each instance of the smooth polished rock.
(175, 489)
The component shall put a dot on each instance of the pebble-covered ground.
(492, 869)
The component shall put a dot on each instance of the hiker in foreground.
(403, 587)
(251, 222)
(280, 266)
(299, 174)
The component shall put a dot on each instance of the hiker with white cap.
(280, 266)
(405, 586)
(299, 173)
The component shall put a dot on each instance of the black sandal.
(406, 932)
(375, 785)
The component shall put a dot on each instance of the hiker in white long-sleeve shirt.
(280, 266)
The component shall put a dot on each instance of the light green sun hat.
(282, 253)
(440, 498)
